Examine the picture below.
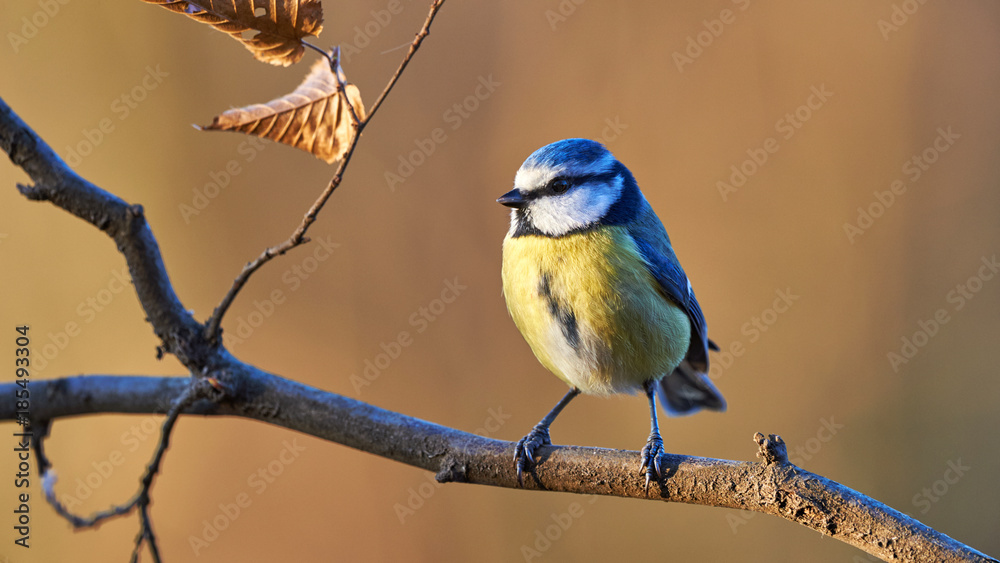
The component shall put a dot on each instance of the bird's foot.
(524, 452)
(650, 461)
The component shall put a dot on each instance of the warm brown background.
(821, 363)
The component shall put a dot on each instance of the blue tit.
(596, 290)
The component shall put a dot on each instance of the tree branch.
(58, 183)
(198, 348)
(773, 486)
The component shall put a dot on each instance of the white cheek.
(559, 215)
(574, 210)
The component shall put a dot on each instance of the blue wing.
(688, 388)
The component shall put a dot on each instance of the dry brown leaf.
(313, 118)
(282, 23)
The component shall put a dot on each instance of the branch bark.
(773, 486)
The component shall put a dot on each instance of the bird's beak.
(513, 198)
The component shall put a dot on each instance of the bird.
(594, 286)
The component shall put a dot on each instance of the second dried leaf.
(313, 118)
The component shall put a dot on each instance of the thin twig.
(298, 237)
(406, 60)
(137, 548)
(49, 479)
(317, 49)
(333, 58)
(145, 535)
(196, 389)
(338, 72)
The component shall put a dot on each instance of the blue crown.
(568, 152)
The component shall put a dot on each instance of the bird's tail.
(686, 390)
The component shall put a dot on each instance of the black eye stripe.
(550, 187)
(585, 178)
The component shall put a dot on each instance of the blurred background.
(828, 175)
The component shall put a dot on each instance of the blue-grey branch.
(773, 486)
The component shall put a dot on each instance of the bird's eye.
(559, 185)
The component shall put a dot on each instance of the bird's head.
(570, 186)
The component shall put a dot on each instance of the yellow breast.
(591, 311)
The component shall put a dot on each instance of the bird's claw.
(524, 452)
(650, 463)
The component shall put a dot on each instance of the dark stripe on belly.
(563, 315)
